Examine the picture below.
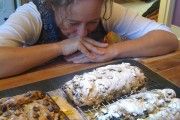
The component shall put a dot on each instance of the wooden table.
(168, 66)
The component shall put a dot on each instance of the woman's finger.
(77, 57)
(84, 50)
(95, 43)
(82, 60)
(92, 48)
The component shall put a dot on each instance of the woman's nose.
(82, 31)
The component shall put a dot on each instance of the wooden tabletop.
(168, 66)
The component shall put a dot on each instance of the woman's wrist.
(117, 50)
(57, 47)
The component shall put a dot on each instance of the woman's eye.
(74, 24)
(90, 24)
(93, 22)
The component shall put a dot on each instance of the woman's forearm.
(152, 44)
(14, 60)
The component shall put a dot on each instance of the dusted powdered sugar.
(104, 83)
(150, 105)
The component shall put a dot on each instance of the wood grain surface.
(168, 66)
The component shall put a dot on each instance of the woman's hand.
(110, 53)
(86, 45)
(77, 58)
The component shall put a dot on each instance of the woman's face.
(80, 19)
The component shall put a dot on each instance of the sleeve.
(23, 27)
(130, 25)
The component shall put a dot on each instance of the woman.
(69, 26)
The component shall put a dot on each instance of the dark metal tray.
(154, 81)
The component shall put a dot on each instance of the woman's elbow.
(173, 44)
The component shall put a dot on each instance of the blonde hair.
(66, 3)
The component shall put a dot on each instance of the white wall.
(176, 31)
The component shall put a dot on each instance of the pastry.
(104, 83)
(150, 105)
(33, 105)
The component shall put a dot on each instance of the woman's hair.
(65, 3)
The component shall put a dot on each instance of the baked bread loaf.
(104, 83)
(150, 105)
(33, 105)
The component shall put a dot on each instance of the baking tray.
(154, 81)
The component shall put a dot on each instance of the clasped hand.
(89, 50)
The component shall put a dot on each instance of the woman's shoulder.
(24, 25)
(115, 14)
(29, 7)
